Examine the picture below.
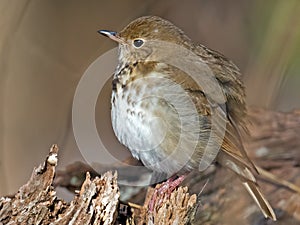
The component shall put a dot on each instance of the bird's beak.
(111, 34)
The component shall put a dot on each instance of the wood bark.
(97, 202)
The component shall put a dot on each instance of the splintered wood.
(31, 204)
(36, 201)
(97, 202)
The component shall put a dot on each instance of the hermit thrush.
(167, 92)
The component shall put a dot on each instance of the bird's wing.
(230, 134)
(233, 145)
(218, 113)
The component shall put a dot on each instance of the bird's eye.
(138, 43)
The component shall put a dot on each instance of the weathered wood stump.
(97, 202)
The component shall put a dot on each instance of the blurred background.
(45, 47)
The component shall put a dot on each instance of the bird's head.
(142, 36)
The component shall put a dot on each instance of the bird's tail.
(260, 200)
(248, 180)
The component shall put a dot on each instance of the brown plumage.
(164, 116)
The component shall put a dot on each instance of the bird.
(179, 106)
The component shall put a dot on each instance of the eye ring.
(137, 43)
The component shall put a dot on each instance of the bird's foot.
(164, 191)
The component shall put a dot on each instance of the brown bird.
(179, 106)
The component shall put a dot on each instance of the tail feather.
(248, 180)
(260, 200)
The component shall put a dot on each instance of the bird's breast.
(157, 120)
(133, 116)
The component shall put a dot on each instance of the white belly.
(133, 125)
(157, 124)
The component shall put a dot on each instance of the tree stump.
(97, 202)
